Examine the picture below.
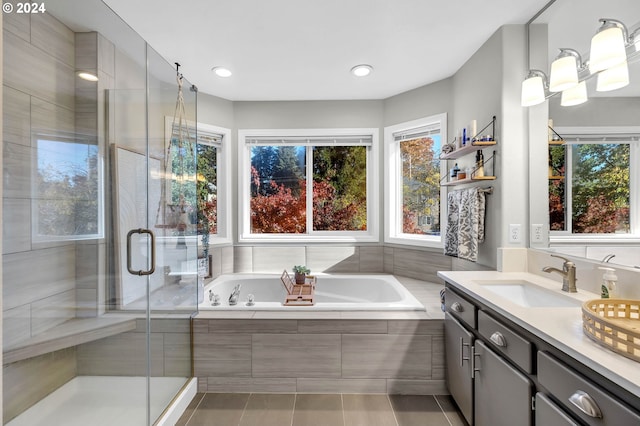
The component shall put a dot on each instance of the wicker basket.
(615, 324)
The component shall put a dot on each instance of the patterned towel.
(451, 235)
(465, 228)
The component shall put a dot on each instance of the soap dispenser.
(609, 280)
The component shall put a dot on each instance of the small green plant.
(301, 269)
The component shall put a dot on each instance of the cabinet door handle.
(456, 306)
(499, 339)
(585, 403)
(474, 369)
(462, 357)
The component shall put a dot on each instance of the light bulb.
(607, 48)
(564, 74)
(575, 96)
(613, 78)
(532, 91)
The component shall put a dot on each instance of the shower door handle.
(153, 251)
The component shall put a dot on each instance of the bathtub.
(333, 293)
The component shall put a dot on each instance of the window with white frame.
(308, 185)
(413, 195)
(593, 186)
(211, 194)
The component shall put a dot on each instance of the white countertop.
(561, 327)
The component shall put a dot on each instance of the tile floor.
(243, 409)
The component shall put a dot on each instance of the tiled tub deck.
(324, 352)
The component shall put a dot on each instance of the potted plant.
(300, 273)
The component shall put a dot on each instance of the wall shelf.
(467, 180)
(460, 152)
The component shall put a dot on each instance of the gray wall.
(487, 84)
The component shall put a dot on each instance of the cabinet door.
(502, 394)
(458, 342)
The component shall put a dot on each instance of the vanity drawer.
(506, 341)
(460, 308)
(548, 413)
(575, 391)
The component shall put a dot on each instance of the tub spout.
(235, 295)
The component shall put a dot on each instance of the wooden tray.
(299, 294)
(615, 324)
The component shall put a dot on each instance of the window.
(592, 189)
(413, 193)
(309, 185)
(68, 193)
(210, 195)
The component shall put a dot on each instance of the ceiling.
(304, 49)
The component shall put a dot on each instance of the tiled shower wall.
(45, 284)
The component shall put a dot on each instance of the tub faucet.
(235, 294)
(608, 257)
(568, 273)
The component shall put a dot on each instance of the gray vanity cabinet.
(502, 394)
(458, 343)
(583, 398)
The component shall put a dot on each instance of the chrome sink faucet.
(568, 273)
(235, 295)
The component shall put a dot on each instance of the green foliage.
(301, 269)
(278, 203)
(421, 186)
(600, 187)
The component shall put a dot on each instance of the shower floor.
(102, 400)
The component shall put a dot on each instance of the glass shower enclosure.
(99, 222)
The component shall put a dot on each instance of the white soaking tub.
(333, 293)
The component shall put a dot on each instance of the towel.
(465, 227)
(451, 235)
(470, 223)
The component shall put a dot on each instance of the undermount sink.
(527, 294)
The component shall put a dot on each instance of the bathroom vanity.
(516, 355)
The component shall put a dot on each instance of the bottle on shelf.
(479, 164)
(454, 172)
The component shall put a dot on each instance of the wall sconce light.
(564, 70)
(613, 78)
(608, 46)
(533, 88)
(575, 96)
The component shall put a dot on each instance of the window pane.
(207, 188)
(340, 188)
(278, 190)
(600, 185)
(420, 186)
(68, 201)
(557, 215)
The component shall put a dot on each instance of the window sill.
(420, 242)
(308, 239)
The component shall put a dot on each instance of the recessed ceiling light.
(361, 70)
(221, 71)
(87, 76)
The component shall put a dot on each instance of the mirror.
(586, 166)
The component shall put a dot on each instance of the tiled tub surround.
(323, 352)
(379, 292)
